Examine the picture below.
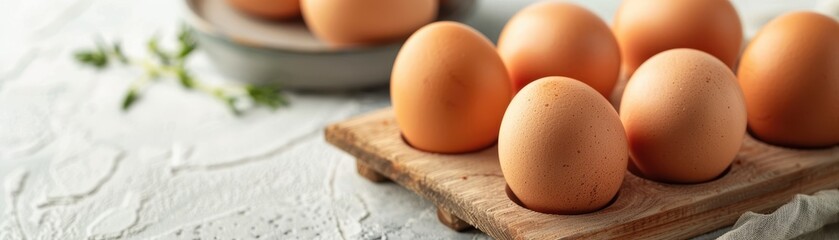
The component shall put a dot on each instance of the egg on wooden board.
(562, 147)
(449, 89)
(554, 38)
(268, 9)
(647, 27)
(344, 23)
(684, 115)
(790, 77)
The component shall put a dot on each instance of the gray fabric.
(805, 217)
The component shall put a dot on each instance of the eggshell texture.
(364, 22)
(560, 39)
(449, 89)
(268, 9)
(647, 27)
(562, 147)
(684, 115)
(790, 77)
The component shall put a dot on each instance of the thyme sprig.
(171, 64)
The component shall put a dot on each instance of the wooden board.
(469, 189)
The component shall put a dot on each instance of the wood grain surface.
(471, 187)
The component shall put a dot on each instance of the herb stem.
(172, 65)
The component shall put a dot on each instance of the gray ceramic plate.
(285, 53)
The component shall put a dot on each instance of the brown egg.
(684, 115)
(268, 9)
(647, 27)
(560, 39)
(449, 89)
(790, 77)
(562, 147)
(365, 22)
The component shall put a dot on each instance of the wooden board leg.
(369, 173)
(452, 221)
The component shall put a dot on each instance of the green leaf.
(129, 99)
(185, 78)
(154, 49)
(229, 101)
(186, 42)
(117, 51)
(231, 104)
(93, 58)
(185, 50)
(266, 96)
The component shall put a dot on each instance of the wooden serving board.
(469, 189)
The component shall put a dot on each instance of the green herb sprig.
(165, 64)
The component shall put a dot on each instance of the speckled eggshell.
(343, 23)
(562, 147)
(790, 77)
(268, 9)
(645, 28)
(684, 115)
(554, 38)
(449, 89)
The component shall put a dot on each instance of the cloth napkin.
(805, 217)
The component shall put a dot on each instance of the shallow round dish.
(285, 53)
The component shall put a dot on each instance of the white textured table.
(179, 165)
